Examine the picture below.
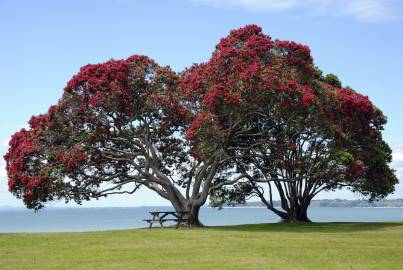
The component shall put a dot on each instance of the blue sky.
(44, 43)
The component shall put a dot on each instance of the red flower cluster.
(295, 55)
(356, 168)
(307, 96)
(27, 175)
(72, 159)
(203, 120)
(96, 84)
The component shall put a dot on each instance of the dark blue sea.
(93, 219)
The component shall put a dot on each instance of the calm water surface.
(90, 219)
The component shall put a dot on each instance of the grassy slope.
(269, 246)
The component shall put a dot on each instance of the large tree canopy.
(287, 127)
(257, 117)
(118, 126)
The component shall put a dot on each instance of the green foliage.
(333, 80)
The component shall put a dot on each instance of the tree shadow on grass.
(328, 227)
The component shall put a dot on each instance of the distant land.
(395, 203)
(334, 203)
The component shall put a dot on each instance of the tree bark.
(296, 217)
(193, 213)
(193, 216)
(299, 215)
(292, 211)
(188, 205)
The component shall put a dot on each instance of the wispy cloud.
(362, 10)
(252, 4)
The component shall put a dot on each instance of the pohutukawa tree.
(118, 126)
(258, 117)
(290, 130)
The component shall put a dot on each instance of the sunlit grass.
(266, 246)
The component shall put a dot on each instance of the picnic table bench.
(164, 216)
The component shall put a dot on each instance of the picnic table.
(164, 216)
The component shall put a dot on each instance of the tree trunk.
(299, 216)
(193, 216)
(193, 212)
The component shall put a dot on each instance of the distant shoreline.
(391, 203)
(376, 207)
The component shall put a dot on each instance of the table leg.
(155, 217)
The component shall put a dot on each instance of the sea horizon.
(81, 219)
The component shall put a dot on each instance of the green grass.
(268, 246)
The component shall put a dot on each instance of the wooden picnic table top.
(167, 212)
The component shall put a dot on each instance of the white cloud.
(362, 10)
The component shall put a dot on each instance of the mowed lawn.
(266, 246)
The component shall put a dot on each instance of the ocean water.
(93, 219)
